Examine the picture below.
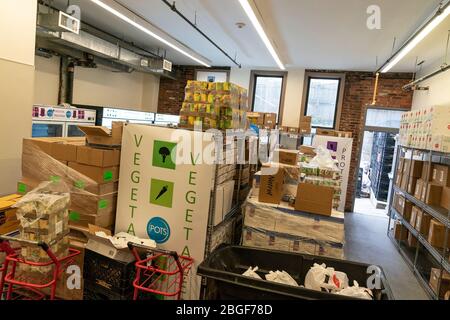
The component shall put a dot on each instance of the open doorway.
(377, 158)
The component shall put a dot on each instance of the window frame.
(339, 97)
(268, 74)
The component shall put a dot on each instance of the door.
(47, 129)
(376, 160)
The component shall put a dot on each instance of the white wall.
(46, 80)
(293, 96)
(439, 92)
(17, 40)
(98, 87)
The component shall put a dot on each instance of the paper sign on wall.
(164, 198)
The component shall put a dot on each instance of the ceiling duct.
(103, 51)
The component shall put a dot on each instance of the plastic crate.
(94, 291)
(111, 274)
(226, 265)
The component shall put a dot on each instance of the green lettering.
(194, 162)
(136, 159)
(132, 210)
(189, 215)
(186, 252)
(187, 232)
(134, 194)
(138, 143)
(135, 176)
(190, 197)
(192, 178)
(131, 229)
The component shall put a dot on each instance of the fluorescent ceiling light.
(251, 15)
(415, 41)
(147, 31)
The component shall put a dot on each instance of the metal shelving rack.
(424, 252)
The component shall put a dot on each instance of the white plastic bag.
(281, 277)
(357, 292)
(251, 272)
(323, 159)
(320, 277)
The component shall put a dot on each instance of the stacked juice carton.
(214, 105)
(427, 128)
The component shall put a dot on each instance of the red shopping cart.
(31, 289)
(161, 272)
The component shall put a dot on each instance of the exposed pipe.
(174, 9)
(438, 12)
(428, 76)
(375, 90)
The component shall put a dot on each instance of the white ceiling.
(316, 34)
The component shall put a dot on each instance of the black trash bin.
(226, 265)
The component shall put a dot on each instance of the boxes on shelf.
(403, 206)
(400, 231)
(441, 175)
(415, 212)
(411, 185)
(8, 219)
(280, 227)
(422, 223)
(427, 174)
(270, 120)
(420, 190)
(305, 125)
(256, 118)
(435, 276)
(432, 195)
(224, 201)
(413, 168)
(412, 241)
(445, 198)
(436, 234)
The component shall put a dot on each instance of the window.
(323, 100)
(268, 90)
(383, 118)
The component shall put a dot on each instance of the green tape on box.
(74, 216)
(55, 178)
(79, 184)
(107, 175)
(21, 187)
(102, 204)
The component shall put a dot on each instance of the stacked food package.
(43, 216)
(214, 105)
(427, 128)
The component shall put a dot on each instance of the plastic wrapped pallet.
(292, 230)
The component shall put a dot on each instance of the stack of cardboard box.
(88, 166)
(333, 133)
(427, 128)
(263, 120)
(214, 105)
(430, 185)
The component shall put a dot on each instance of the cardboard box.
(293, 130)
(287, 156)
(404, 208)
(87, 203)
(433, 195)
(102, 136)
(64, 151)
(419, 189)
(422, 222)
(441, 175)
(436, 234)
(306, 119)
(256, 118)
(344, 134)
(415, 211)
(445, 198)
(400, 232)
(326, 132)
(398, 179)
(308, 150)
(270, 119)
(411, 185)
(404, 182)
(427, 175)
(98, 157)
(271, 187)
(98, 174)
(413, 168)
(445, 282)
(314, 199)
(412, 241)
(304, 128)
(104, 220)
(224, 201)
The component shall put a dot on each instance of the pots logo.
(164, 154)
(158, 230)
(161, 193)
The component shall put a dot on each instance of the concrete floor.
(367, 242)
(364, 205)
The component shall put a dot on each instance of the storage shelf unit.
(416, 256)
(381, 164)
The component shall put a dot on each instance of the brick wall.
(171, 92)
(358, 93)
